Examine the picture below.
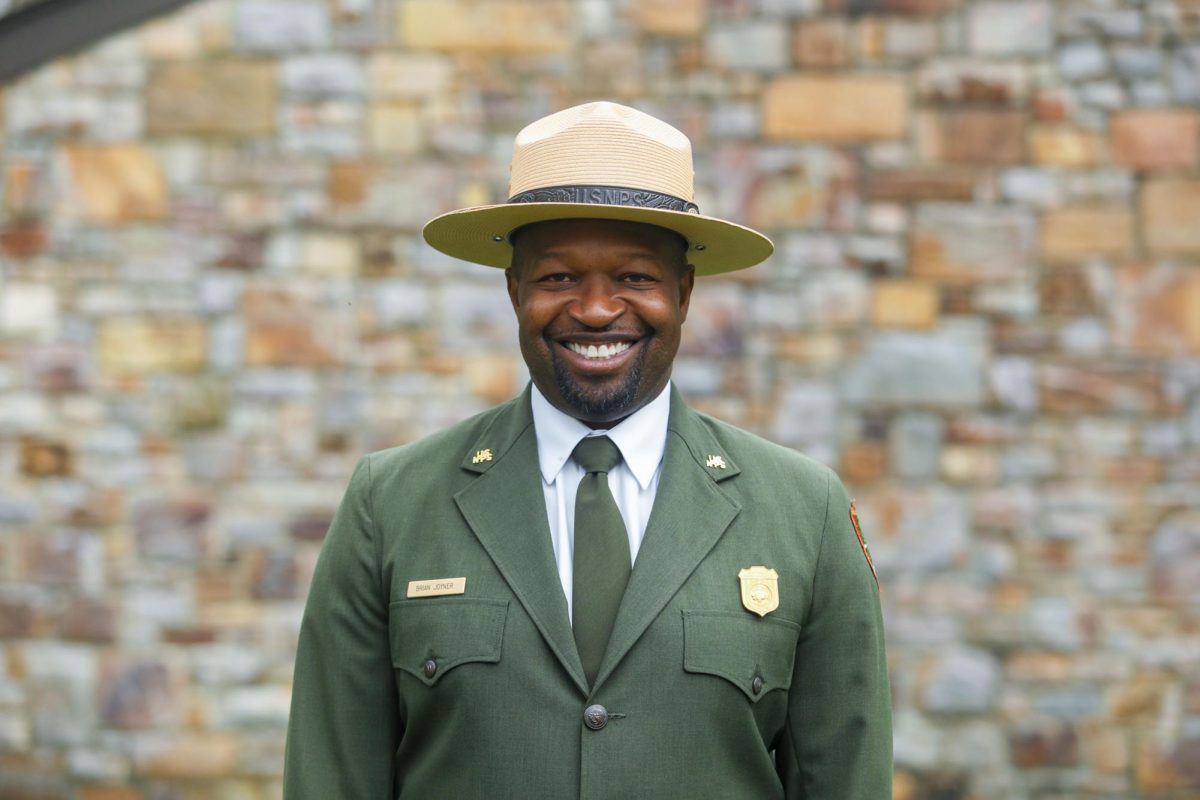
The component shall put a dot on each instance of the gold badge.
(715, 462)
(760, 590)
(482, 455)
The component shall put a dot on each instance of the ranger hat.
(599, 161)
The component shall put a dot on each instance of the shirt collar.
(641, 437)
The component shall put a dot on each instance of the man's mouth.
(594, 352)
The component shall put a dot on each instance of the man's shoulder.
(748, 448)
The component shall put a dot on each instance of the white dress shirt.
(641, 438)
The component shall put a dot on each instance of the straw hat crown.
(602, 144)
(599, 161)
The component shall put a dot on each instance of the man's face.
(600, 304)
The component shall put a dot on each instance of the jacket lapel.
(689, 516)
(507, 512)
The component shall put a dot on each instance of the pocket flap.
(756, 654)
(447, 631)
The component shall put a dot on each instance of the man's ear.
(687, 281)
(513, 282)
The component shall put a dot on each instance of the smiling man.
(593, 591)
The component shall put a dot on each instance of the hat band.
(606, 196)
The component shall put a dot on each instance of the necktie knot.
(596, 454)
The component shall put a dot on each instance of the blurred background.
(984, 311)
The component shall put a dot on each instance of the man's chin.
(598, 404)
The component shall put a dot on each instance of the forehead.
(595, 232)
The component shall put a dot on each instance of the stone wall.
(984, 310)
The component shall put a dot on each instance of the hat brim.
(481, 234)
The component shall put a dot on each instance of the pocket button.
(430, 668)
(756, 685)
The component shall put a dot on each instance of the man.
(593, 591)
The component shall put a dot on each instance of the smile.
(598, 352)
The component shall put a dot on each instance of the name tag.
(436, 587)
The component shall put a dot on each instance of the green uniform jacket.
(481, 694)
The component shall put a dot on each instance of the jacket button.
(595, 717)
(756, 685)
(429, 668)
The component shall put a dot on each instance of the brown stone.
(137, 346)
(110, 792)
(220, 98)
(899, 7)
(904, 304)
(676, 18)
(24, 182)
(864, 462)
(1064, 146)
(117, 183)
(310, 526)
(1069, 292)
(1073, 234)
(1170, 210)
(920, 185)
(19, 619)
(1162, 768)
(349, 182)
(194, 756)
(394, 128)
(494, 26)
(821, 43)
(835, 108)
(972, 136)
(136, 694)
(1150, 139)
(88, 620)
(1050, 745)
(280, 331)
(1159, 310)
(1070, 389)
(23, 238)
(44, 458)
(962, 246)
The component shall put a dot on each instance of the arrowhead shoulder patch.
(863, 542)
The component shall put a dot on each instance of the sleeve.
(838, 739)
(343, 727)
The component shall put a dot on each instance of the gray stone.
(323, 75)
(1086, 18)
(1032, 186)
(790, 8)
(807, 419)
(966, 680)
(1185, 74)
(915, 445)
(1071, 704)
(760, 46)
(1028, 462)
(698, 377)
(1135, 61)
(1014, 300)
(940, 369)
(1011, 28)
(1175, 557)
(931, 533)
(1150, 93)
(1107, 95)
(278, 27)
(400, 303)
(1054, 623)
(917, 741)
(1083, 59)
(1085, 336)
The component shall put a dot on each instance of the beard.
(601, 402)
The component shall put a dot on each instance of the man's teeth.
(603, 351)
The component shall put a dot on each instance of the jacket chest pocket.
(754, 654)
(431, 637)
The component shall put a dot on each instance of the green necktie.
(601, 563)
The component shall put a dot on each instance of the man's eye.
(637, 277)
(556, 277)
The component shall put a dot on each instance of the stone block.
(409, 76)
(835, 108)
(28, 309)
(1075, 234)
(965, 680)
(961, 244)
(213, 98)
(941, 368)
(1011, 28)
(863, 462)
(1052, 744)
(185, 755)
(1072, 389)
(760, 45)
(1157, 310)
(915, 442)
(283, 329)
(1152, 139)
(394, 128)
(1065, 146)
(669, 18)
(88, 620)
(821, 43)
(280, 27)
(1083, 59)
(325, 254)
(116, 183)
(1175, 558)
(45, 458)
(172, 528)
(139, 346)
(1170, 209)
(491, 26)
(919, 185)
(137, 694)
(324, 75)
(904, 304)
(972, 136)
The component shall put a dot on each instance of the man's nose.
(598, 305)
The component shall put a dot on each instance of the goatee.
(601, 403)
